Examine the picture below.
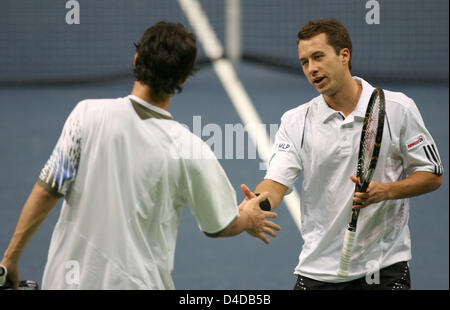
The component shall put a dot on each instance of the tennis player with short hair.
(321, 138)
(125, 168)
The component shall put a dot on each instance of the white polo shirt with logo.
(323, 144)
(125, 169)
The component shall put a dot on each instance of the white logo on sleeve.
(283, 146)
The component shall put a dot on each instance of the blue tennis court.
(33, 115)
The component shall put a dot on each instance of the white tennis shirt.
(323, 144)
(125, 169)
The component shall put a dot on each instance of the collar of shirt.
(149, 106)
(326, 113)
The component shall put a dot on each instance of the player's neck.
(346, 98)
(143, 91)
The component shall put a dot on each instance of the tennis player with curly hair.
(125, 168)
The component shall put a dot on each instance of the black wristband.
(264, 205)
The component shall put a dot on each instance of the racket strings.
(370, 139)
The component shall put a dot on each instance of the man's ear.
(135, 60)
(345, 56)
(183, 80)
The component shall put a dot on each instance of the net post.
(233, 30)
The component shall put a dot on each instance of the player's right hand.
(259, 226)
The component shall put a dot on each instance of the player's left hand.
(13, 272)
(375, 192)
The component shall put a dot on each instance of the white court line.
(235, 90)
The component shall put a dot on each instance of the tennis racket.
(23, 285)
(369, 148)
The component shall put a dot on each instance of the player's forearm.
(276, 191)
(34, 212)
(240, 224)
(251, 219)
(416, 184)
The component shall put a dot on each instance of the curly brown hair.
(166, 56)
(337, 34)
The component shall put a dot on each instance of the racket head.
(371, 137)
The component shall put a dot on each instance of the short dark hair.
(166, 55)
(337, 34)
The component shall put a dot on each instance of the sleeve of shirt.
(285, 162)
(60, 171)
(210, 195)
(417, 144)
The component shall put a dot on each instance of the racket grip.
(347, 251)
(3, 274)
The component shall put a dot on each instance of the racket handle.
(347, 251)
(3, 274)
